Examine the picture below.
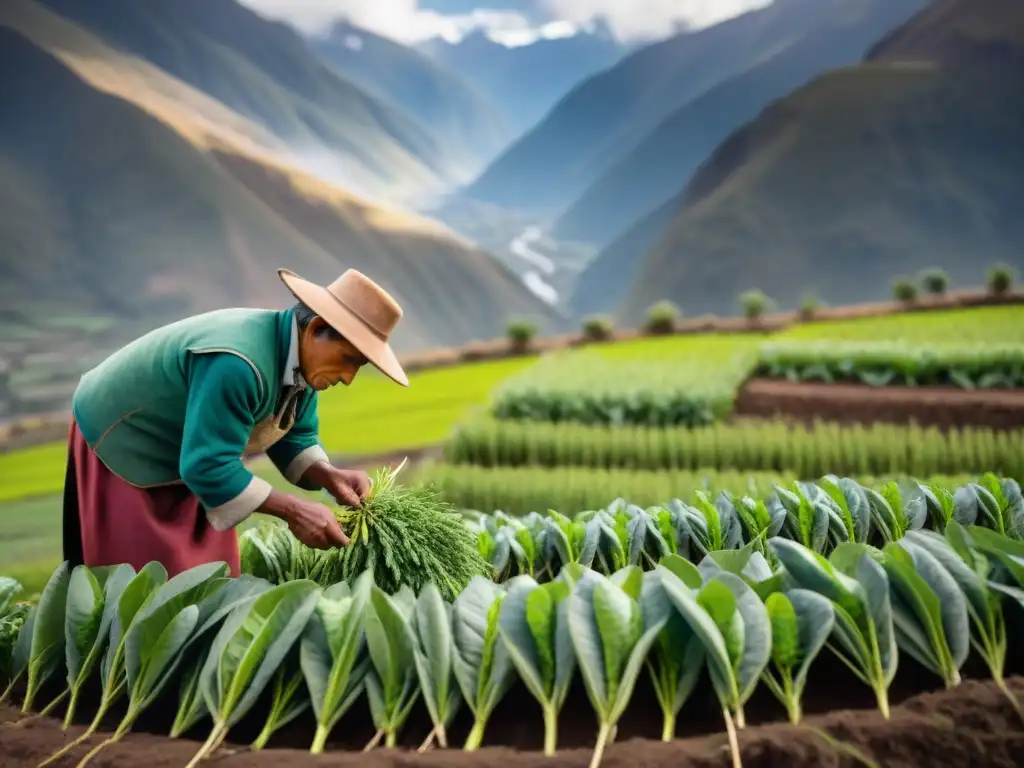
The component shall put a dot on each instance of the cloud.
(631, 20)
(407, 22)
(401, 20)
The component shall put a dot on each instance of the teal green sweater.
(178, 405)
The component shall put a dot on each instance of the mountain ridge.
(658, 168)
(107, 210)
(890, 166)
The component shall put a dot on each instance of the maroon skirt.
(108, 521)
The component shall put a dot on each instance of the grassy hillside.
(894, 165)
(459, 116)
(610, 113)
(267, 72)
(664, 162)
(107, 210)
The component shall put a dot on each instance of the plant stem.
(374, 741)
(882, 694)
(428, 742)
(264, 737)
(320, 739)
(69, 716)
(668, 728)
(122, 729)
(603, 737)
(792, 699)
(9, 688)
(476, 736)
(391, 739)
(734, 742)
(550, 731)
(212, 742)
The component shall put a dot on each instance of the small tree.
(520, 333)
(662, 317)
(934, 281)
(1000, 279)
(809, 306)
(598, 328)
(755, 303)
(904, 290)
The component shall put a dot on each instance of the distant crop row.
(592, 389)
(521, 490)
(804, 450)
(692, 392)
(880, 364)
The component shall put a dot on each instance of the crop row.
(764, 446)
(589, 388)
(521, 490)
(229, 646)
(593, 389)
(880, 364)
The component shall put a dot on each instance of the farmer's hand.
(312, 523)
(349, 487)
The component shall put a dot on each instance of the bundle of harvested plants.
(403, 535)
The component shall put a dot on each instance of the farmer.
(159, 428)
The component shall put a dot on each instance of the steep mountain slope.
(107, 210)
(609, 114)
(458, 115)
(601, 285)
(526, 81)
(912, 159)
(267, 72)
(663, 163)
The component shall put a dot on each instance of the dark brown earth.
(974, 725)
(942, 407)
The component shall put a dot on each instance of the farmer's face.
(326, 358)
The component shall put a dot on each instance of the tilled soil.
(973, 725)
(942, 407)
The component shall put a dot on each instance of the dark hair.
(304, 316)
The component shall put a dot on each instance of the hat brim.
(341, 319)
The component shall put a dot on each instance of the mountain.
(119, 200)
(601, 285)
(910, 160)
(457, 114)
(525, 81)
(602, 119)
(266, 71)
(840, 34)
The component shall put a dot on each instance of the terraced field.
(375, 417)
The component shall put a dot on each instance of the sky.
(513, 22)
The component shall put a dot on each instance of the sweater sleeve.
(223, 395)
(300, 448)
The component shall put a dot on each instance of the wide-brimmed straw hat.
(360, 310)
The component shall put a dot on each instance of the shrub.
(1000, 279)
(521, 332)
(809, 305)
(934, 281)
(755, 303)
(662, 317)
(598, 328)
(904, 290)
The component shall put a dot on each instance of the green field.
(376, 416)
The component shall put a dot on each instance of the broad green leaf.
(251, 644)
(432, 629)
(46, 641)
(330, 648)
(483, 667)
